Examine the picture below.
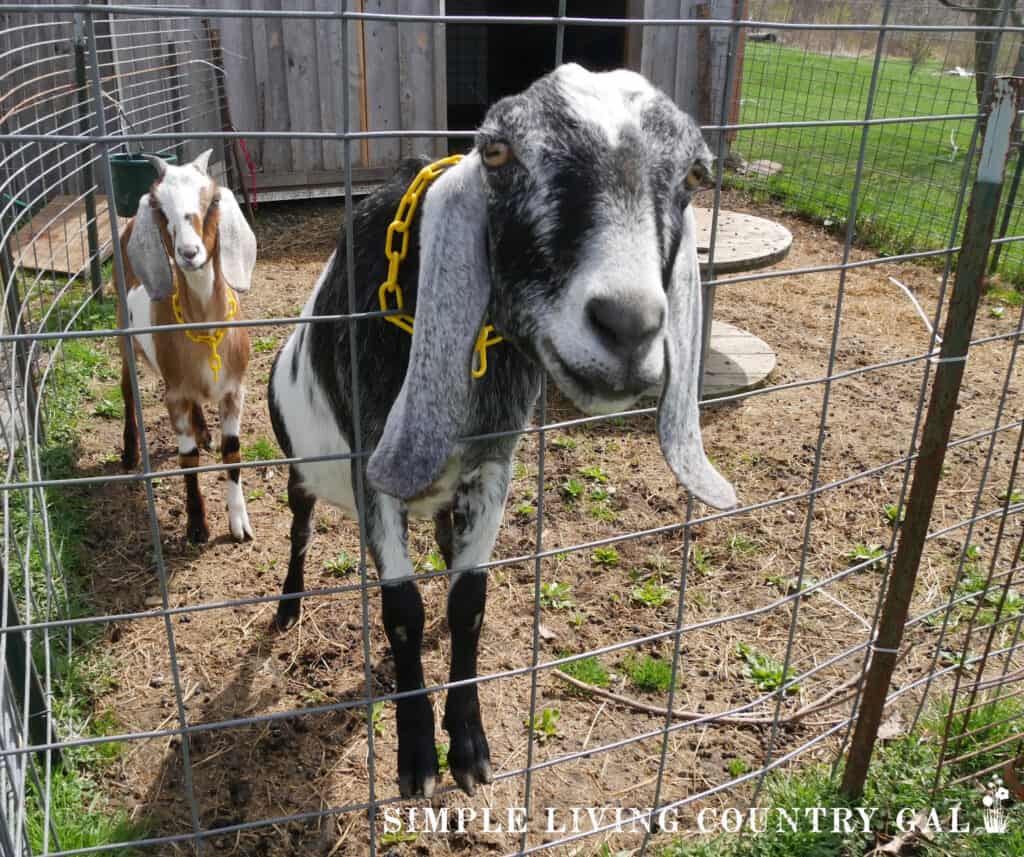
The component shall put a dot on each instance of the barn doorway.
(486, 62)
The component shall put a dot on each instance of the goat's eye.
(697, 178)
(496, 154)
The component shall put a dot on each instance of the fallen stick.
(733, 719)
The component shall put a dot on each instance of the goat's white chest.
(140, 315)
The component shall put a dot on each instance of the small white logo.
(993, 815)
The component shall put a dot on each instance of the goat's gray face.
(182, 197)
(569, 224)
(587, 178)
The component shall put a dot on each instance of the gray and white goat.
(568, 227)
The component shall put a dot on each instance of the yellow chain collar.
(213, 338)
(400, 226)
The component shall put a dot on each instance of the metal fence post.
(978, 233)
(88, 182)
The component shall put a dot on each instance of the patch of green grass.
(863, 553)
(544, 725)
(652, 594)
(525, 510)
(742, 545)
(648, 673)
(700, 559)
(1011, 496)
(565, 442)
(737, 767)
(81, 814)
(264, 344)
(594, 473)
(901, 775)
(110, 406)
(398, 837)
(556, 596)
(1010, 297)
(442, 757)
(588, 670)
(606, 556)
(260, 449)
(763, 669)
(911, 177)
(602, 512)
(340, 565)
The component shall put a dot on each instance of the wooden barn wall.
(36, 97)
(154, 77)
(288, 75)
(689, 62)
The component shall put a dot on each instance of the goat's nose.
(190, 252)
(625, 326)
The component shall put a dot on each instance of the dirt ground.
(234, 666)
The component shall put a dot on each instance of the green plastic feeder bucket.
(133, 176)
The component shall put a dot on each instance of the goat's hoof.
(288, 613)
(130, 459)
(241, 529)
(417, 770)
(469, 757)
(197, 532)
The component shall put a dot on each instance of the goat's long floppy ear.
(235, 243)
(148, 254)
(454, 289)
(678, 417)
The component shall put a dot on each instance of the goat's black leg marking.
(402, 609)
(196, 530)
(469, 757)
(301, 503)
(130, 448)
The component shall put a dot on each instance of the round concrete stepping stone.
(736, 361)
(744, 242)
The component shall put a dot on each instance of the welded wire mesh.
(197, 727)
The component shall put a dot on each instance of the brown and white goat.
(187, 251)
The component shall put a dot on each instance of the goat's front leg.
(130, 449)
(402, 610)
(180, 410)
(230, 407)
(479, 502)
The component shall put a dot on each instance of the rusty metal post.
(963, 306)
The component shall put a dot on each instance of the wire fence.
(641, 653)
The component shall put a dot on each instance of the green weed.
(652, 594)
(763, 669)
(606, 556)
(556, 596)
(544, 726)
